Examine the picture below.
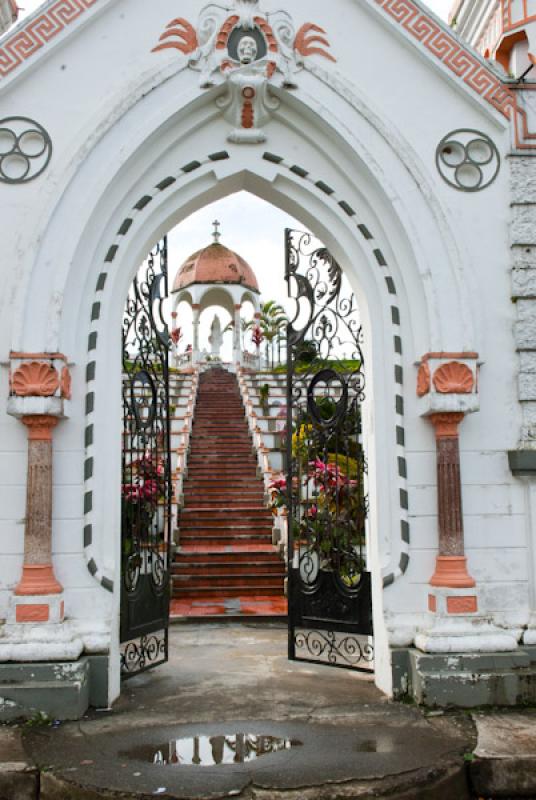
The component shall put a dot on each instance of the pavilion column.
(196, 308)
(257, 318)
(237, 348)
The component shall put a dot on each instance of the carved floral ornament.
(248, 51)
(40, 379)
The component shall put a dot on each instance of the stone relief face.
(247, 50)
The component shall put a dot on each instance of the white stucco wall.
(121, 120)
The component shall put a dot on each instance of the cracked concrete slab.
(18, 776)
(505, 756)
(231, 679)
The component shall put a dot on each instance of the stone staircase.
(225, 563)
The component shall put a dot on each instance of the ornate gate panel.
(146, 480)
(330, 607)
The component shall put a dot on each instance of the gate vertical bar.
(288, 467)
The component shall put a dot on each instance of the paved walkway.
(228, 695)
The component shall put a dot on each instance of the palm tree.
(273, 322)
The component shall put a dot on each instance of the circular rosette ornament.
(468, 160)
(25, 149)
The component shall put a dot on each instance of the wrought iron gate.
(330, 607)
(146, 477)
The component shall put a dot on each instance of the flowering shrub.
(146, 483)
(176, 335)
(329, 516)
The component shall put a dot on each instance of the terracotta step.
(225, 592)
(222, 514)
(223, 491)
(231, 504)
(218, 539)
(216, 569)
(204, 583)
(233, 558)
(206, 481)
(225, 530)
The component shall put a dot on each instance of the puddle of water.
(375, 746)
(210, 751)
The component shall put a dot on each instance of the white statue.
(215, 339)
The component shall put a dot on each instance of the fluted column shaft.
(451, 568)
(38, 575)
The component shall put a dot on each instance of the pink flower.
(150, 490)
(279, 485)
(176, 335)
(131, 492)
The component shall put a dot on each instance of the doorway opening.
(244, 490)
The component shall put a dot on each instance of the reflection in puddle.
(384, 745)
(210, 751)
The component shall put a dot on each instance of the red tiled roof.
(215, 264)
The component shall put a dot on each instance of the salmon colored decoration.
(225, 32)
(464, 64)
(462, 605)
(451, 564)
(454, 378)
(248, 51)
(268, 32)
(248, 114)
(179, 35)
(307, 39)
(65, 383)
(35, 379)
(451, 572)
(38, 579)
(432, 603)
(40, 612)
(39, 31)
(423, 380)
(38, 575)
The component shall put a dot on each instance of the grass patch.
(343, 366)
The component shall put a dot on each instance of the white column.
(195, 322)
(237, 347)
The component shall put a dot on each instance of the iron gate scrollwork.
(330, 607)
(146, 470)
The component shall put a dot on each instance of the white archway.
(337, 189)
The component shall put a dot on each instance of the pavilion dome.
(215, 264)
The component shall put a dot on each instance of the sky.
(441, 7)
(260, 241)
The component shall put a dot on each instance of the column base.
(464, 634)
(529, 637)
(24, 642)
(38, 579)
(451, 572)
(447, 601)
(62, 690)
(36, 608)
(465, 680)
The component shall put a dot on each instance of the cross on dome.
(216, 234)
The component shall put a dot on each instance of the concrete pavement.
(233, 682)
